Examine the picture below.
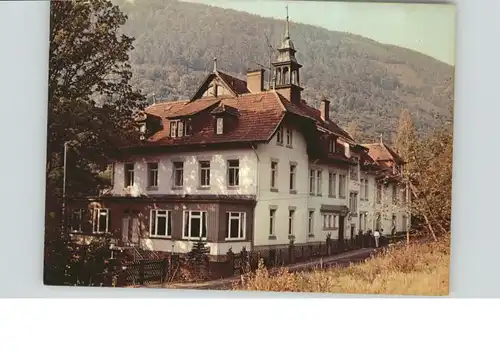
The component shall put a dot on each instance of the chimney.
(324, 108)
(255, 80)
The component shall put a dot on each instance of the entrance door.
(125, 228)
(135, 230)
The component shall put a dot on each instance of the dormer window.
(219, 127)
(178, 129)
(331, 145)
(279, 136)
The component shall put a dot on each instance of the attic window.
(178, 128)
(331, 145)
(219, 125)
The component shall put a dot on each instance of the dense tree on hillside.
(365, 80)
(90, 101)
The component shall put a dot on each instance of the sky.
(427, 28)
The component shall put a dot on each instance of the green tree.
(90, 99)
(90, 105)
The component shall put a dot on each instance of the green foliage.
(197, 260)
(366, 81)
(91, 101)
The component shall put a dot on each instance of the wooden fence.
(143, 272)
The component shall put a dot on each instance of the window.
(329, 221)
(179, 129)
(195, 224)
(160, 223)
(293, 176)
(312, 183)
(289, 137)
(342, 185)
(76, 222)
(129, 174)
(272, 222)
(274, 174)
(310, 223)
(393, 225)
(394, 194)
(364, 189)
(354, 172)
(378, 224)
(331, 145)
(332, 184)
(279, 136)
(153, 174)
(100, 220)
(233, 172)
(319, 182)
(362, 221)
(204, 173)
(236, 222)
(220, 126)
(291, 216)
(404, 223)
(353, 202)
(379, 193)
(404, 196)
(178, 173)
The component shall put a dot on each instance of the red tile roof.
(237, 85)
(257, 115)
(382, 152)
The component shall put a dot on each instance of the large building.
(241, 166)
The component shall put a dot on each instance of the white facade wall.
(255, 179)
(218, 173)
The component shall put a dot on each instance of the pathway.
(342, 260)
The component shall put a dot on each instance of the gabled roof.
(258, 115)
(382, 152)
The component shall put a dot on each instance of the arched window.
(285, 76)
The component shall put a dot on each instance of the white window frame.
(329, 221)
(353, 202)
(219, 128)
(236, 174)
(189, 217)
(319, 182)
(289, 137)
(155, 177)
(153, 232)
(173, 129)
(342, 185)
(175, 169)
(129, 173)
(291, 222)
(293, 177)
(312, 181)
(274, 175)
(310, 222)
(332, 184)
(331, 146)
(241, 217)
(279, 136)
(95, 213)
(378, 193)
(272, 221)
(205, 173)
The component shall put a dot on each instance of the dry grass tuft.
(416, 269)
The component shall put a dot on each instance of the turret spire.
(287, 25)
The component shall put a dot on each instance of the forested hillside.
(366, 81)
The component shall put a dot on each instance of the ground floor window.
(329, 221)
(310, 227)
(195, 224)
(160, 223)
(236, 222)
(404, 223)
(100, 220)
(76, 220)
